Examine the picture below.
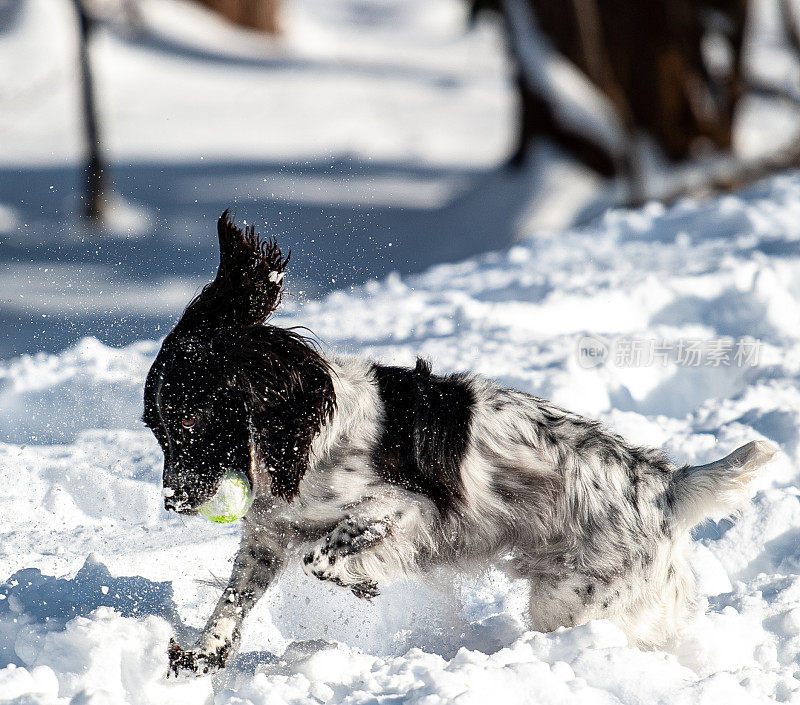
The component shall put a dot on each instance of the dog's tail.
(719, 489)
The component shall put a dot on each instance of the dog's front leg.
(378, 539)
(255, 567)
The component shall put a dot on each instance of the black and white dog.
(375, 471)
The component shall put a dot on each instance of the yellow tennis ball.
(231, 500)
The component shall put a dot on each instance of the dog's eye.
(188, 421)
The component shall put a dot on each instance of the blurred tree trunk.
(647, 58)
(94, 179)
(256, 14)
(538, 112)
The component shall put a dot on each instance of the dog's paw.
(347, 539)
(366, 590)
(323, 564)
(191, 662)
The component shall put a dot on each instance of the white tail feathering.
(719, 489)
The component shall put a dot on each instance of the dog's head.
(227, 392)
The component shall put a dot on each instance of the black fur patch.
(288, 391)
(248, 285)
(244, 385)
(426, 431)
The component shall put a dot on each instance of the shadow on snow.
(346, 221)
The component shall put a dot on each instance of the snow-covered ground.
(679, 327)
(100, 575)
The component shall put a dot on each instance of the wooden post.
(94, 179)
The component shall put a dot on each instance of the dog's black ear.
(248, 285)
(288, 389)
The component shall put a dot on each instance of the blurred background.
(369, 136)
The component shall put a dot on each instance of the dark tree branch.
(726, 173)
(538, 117)
(93, 206)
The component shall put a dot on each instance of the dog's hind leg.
(569, 600)
(377, 540)
(255, 567)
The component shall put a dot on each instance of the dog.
(371, 472)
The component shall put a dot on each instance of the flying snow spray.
(230, 502)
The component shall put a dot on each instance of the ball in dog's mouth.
(231, 500)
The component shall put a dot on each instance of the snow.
(95, 576)
(99, 575)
